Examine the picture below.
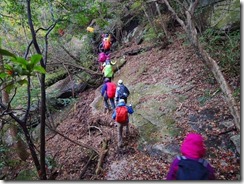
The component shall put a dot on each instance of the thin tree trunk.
(148, 18)
(43, 95)
(162, 22)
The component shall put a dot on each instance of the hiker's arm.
(116, 95)
(104, 88)
(173, 170)
(211, 172)
(128, 92)
(114, 114)
(130, 109)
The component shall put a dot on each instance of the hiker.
(191, 165)
(107, 70)
(122, 92)
(106, 43)
(103, 58)
(121, 117)
(108, 92)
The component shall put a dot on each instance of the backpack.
(102, 57)
(121, 114)
(192, 169)
(106, 44)
(123, 92)
(111, 89)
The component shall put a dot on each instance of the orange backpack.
(106, 44)
(121, 114)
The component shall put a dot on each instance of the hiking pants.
(106, 105)
(120, 131)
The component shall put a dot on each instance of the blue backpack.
(192, 169)
(123, 92)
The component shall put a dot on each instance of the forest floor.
(179, 65)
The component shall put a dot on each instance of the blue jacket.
(130, 109)
(104, 88)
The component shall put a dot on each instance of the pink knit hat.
(193, 146)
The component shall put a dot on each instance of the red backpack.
(121, 114)
(111, 89)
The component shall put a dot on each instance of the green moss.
(54, 77)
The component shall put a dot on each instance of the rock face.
(222, 15)
(65, 88)
(236, 140)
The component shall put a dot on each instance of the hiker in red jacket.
(121, 117)
(108, 92)
(191, 165)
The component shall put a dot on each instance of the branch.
(75, 142)
(181, 22)
(86, 166)
(77, 60)
(193, 7)
(28, 100)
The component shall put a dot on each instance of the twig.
(96, 128)
(227, 131)
(87, 164)
(75, 142)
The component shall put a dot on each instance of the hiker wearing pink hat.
(191, 165)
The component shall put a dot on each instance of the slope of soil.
(193, 102)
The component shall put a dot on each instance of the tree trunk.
(162, 22)
(191, 31)
(43, 95)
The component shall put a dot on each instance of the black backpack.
(123, 92)
(192, 169)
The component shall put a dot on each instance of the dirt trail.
(174, 66)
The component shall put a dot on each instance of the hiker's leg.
(127, 129)
(112, 102)
(105, 99)
(120, 130)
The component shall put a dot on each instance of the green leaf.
(21, 61)
(6, 53)
(40, 69)
(8, 67)
(3, 75)
(35, 59)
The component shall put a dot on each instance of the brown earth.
(180, 66)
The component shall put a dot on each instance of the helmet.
(106, 80)
(120, 82)
(121, 100)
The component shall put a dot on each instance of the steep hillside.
(172, 94)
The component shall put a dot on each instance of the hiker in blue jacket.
(121, 117)
(122, 92)
(108, 92)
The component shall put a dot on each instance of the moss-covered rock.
(226, 15)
